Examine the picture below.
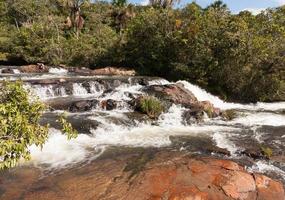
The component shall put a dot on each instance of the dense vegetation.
(19, 124)
(238, 56)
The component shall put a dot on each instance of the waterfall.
(203, 95)
(254, 124)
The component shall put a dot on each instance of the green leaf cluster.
(150, 106)
(20, 113)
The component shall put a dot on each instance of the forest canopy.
(237, 56)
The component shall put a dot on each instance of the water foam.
(260, 118)
(203, 95)
(58, 152)
(267, 167)
(54, 70)
(16, 71)
(222, 141)
(122, 92)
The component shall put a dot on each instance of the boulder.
(109, 104)
(84, 125)
(7, 71)
(253, 152)
(38, 68)
(172, 93)
(177, 94)
(202, 178)
(109, 71)
(83, 105)
(192, 116)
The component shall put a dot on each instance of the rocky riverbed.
(200, 147)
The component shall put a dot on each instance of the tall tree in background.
(163, 3)
(74, 20)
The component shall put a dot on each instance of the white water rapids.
(58, 152)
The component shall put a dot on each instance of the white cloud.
(144, 2)
(254, 11)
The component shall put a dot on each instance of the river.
(255, 125)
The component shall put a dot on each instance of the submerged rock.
(83, 105)
(72, 104)
(192, 116)
(83, 124)
(7, 71)
(109, 104)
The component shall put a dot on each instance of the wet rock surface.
(83, 105)
(147, 175)
(82, 124)
(72, 104)
(7, 71)
(177, 94)
(38, 68)
(106, 71)
(172, 93)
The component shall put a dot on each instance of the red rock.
(168, 176)
(227, 164)
(268, 188)
(38, 68)
(173, 93)
(113, 71)
(187, 193)
(239, 185)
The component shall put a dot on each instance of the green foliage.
(266, 151)
(119, 3)
(19, 124)
(67, 127)
(151, 106)
(237, 56)
(150, 39)
(229, 114)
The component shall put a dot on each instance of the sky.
(235, 6)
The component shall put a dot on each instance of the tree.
(163, 3)
(75, 19)
(19, 124)
(119, 3)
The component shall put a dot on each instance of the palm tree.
(75, 19)
(163, 3)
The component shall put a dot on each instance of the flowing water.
(256, 124)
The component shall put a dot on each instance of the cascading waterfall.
(119, 128)
(203, 95)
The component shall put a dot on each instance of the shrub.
(151, 106)
(266, 151)
(229, 114)
(19, 124)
